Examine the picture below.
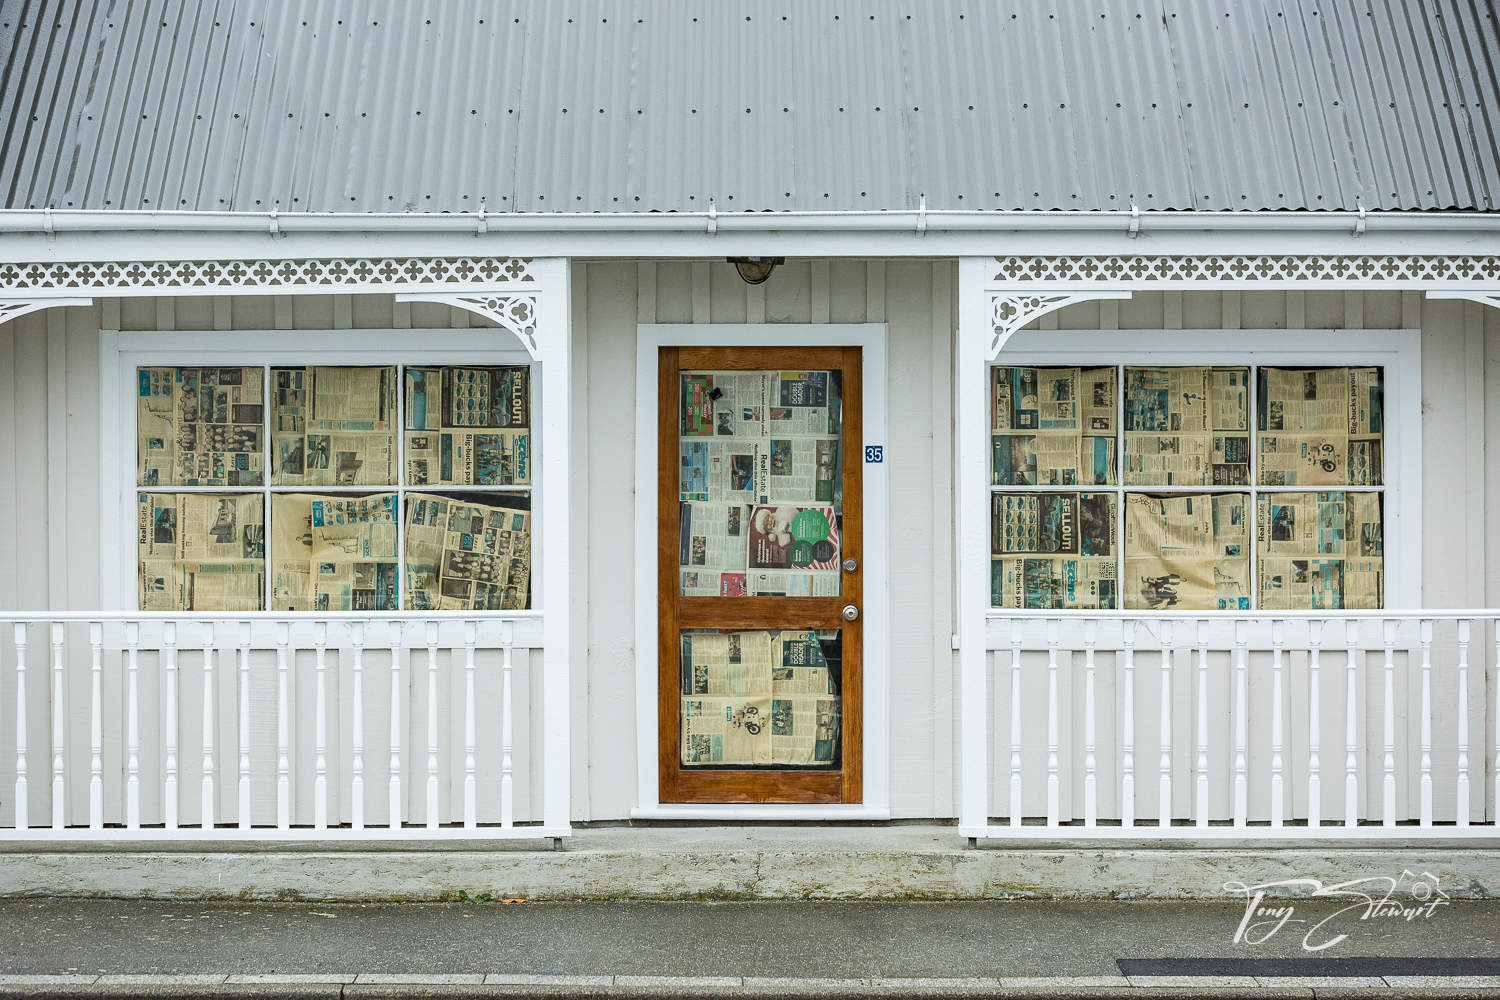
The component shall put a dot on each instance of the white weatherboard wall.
(49, 433)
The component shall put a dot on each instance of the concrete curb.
(880, 863)
(392, 987)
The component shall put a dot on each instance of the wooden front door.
(760, 555)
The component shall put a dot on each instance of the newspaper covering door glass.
(760, 581)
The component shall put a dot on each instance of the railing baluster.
(1278, 776)
(1314, 736)
(96, 726)
(1241, 723)
(1461, 816)
(59, 728)
(1164, 761)
(1015, 722)
(283, 727)
(244, 726)
(432, 723)
(394, 784)
(206, 808)
(1388, 784)
(1054, 757)
(320, 726)
(1424, 788)
(357, 728)
(19, 634)
(1351, 725)
(132, 728)
(1201, 791)
(471, 783)
(1127, 727)
(507, 794)
(169, 785)
(1090, 778)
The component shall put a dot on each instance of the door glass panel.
(760, 483)
(761, 698)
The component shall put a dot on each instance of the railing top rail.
(267, 616)
(1005, 614)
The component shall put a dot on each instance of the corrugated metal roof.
(655, 105)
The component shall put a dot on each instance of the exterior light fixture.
(755, 270)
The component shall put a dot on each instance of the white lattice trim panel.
(516, 313)
(352, 274)
(1240, 269)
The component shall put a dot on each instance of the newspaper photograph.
(1053, 426)
(201, 551)
(760, 698)
(1321, 426)
(1053, 550)
(200, 426)
(333, 426)
(1320, 550)
(1187, 552)
(333, 553)
(764, 445)
(468, 426)
(1187, 426)
(715, 540)
(464, 554)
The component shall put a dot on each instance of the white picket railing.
(1224, 725)
(439, 708)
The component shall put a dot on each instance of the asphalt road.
(804, 939)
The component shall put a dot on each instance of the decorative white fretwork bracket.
(16, 308)
(515, 312)
(1484, 298)
(1010, 311)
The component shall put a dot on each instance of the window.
(332, 487)
(1182, 486)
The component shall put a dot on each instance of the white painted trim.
(120, 353)
(872, 338)
(1398, 351)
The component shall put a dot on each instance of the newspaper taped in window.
(333, 553)
(1321, 426)
(1187, 426)
(333, 426)
(468, 425)
(1187, 552)
(200, 426)
(1320, 551)
(1053, 426)
(466, 554)
(760, 698)
(1053, 550)
(200, 551)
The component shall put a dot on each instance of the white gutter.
(52, 222)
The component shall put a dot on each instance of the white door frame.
(872, 339)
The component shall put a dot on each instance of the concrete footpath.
(80, 948)
(897, 862)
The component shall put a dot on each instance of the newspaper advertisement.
(1187, 426)
(714, 535)
(1321, 426)
(766, 444)
(1187, 552)
(468, 555)
(1053, 550)
(1053, 426)
(201, 551)
(333, 426)
(200, 426)
(468, 426)
(333, 553)
(758, 698)
(1320, 551)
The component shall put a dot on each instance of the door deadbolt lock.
(850, 613)
(850, 565)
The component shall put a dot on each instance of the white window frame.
(872, 338)
(122, 352)
(1398, 352)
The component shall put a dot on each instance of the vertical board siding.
(1461, 557)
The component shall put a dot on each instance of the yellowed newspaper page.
(468, 425)
(1320, 550)
(1187, 552)
(1053, 550)
(1052, 426)
(1321, 427)
(200, 551)
(200, 426)
(333, 553)
(1187, 426)
(333, 426)
(464, 554)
